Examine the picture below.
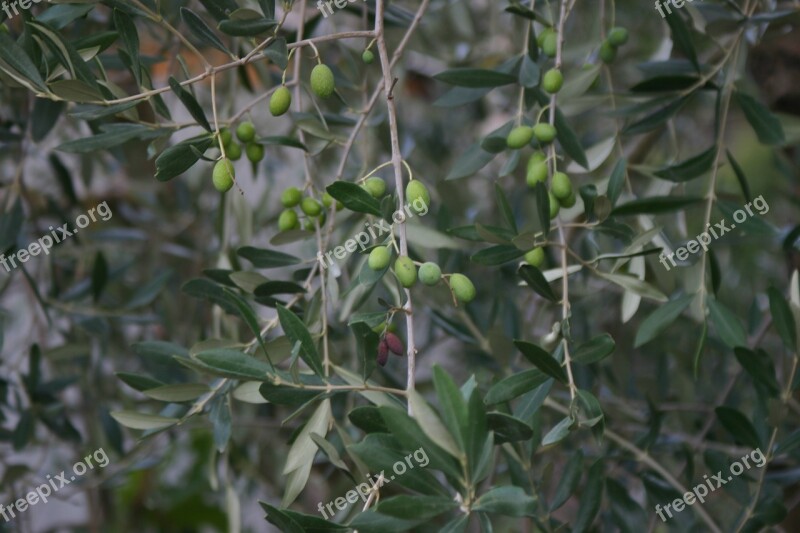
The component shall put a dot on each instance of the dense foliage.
(542, 255)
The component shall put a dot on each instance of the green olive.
(561, 186)
(310, 207)
(462, 287)
(535, 257)
(607, 52)
(555, 207)
(537, 173)
(519, 137)
(291, 197)
(280, 101)
(430, 274)
(618, 36)
(288, 220)
(544, 132)
(552, 81)
(246, 132)
(223, 175)
(322, 83)
(406, 271)
(375, 186)
(379, 258)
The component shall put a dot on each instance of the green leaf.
(656, 205)
(542, 360)
(380, 451)
(138, 382)
(432, 425)
(590, 499)
(616, 181)
(408, 432)
(759, 366)
(21, 66)
(668, 83)
(738, 426)
(179, 158)
(94, 112)
(508, 501)
(280, 519)
(418, 507)
(201, 30)
(536, 281)
(179, 392)
(130, 39)
(782, 319)
(570, 477)
(657, 118)
(594, 350)
(10, 225)
(75, 91)
(452, 404)
(661, 318)
(505, 208)
(766, 125)
(789, 443)
(297, 332)
(246, 27)
(282, 140)
(693, 167)
(134, 420)
(290, 521)
(528, 72)
(507, 428)
(497, 255)
(475, 78)
(354, 198)
(681, 38)
(288, 394)
(372, 521)
(109, 139)
(234, 364)
(630, 283)
(45, 115)
(278, 53)
(191, 104)
(368, 419)
(559, 432)
(262, 258)
(727, 324)
(737, 170)
(471, 161)
(514, 386)
(270, 288)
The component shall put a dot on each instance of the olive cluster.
(224, 174)
(405, 269)
(608, 49)
(561, 193)
(311, 208)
